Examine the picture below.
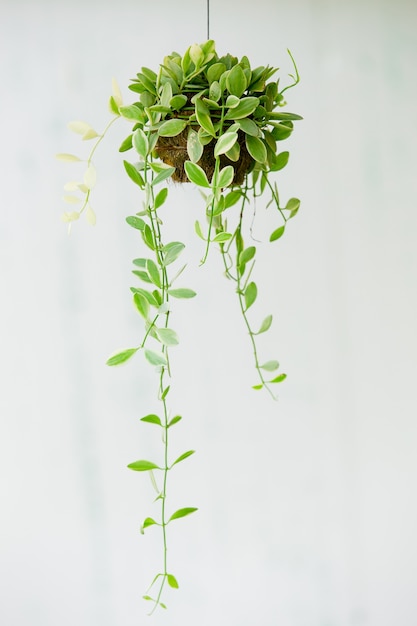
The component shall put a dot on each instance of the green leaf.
(231, 198)
(203, 117)
(146, 294)
(215, 71)
(270, 366)
(177, 102)
(151, 419)
(293, 205)
(153, 272)
(182, 293)
(182, 513)
(165, 392)
(133, 174)
(225, 143)
(183, 456)
(163, 175)
(171, 128)
(141, 304)
(149, 522)
(280, 161)
(278, 379)
(172, 581)
(142, 275)
(132, 112)
(64, 156)
(236, 81)
(256, 148)
(215, 91)
(282, 131)
(167, 336)
(196, 174)
(172, 251)
(284, 116)
(174, 420)
(161, 197)
(143, 466)
(194, 147)
(257, 387)
(222, 237)
(226, 176)
(135, 222)
(121, 357)
(126, 144)
(244, 109)
(232, 101)
(246, 255)
(277, 233)
(251, 292)
(266, 325)
(155, 358)
(140, 143)
(249, 127)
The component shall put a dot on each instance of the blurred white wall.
(307, 506)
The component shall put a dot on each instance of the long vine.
(211, 121)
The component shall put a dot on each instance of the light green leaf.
(270, 366)
(171, 128)
(234, 153)
(231, 198)
(244, 109)
(215, 71)
(257, 387)
(141, 304)
(163, 175)
(215, 91)
(72, 199)
(70, 216)
(226, 176)
(280, 161)
(167, 336)
(236, 81)
(194, 147)
(121, 357)
(183, 456)
(222, 237)
(225, 143)
(177, 102)
(284, 116)
(132, 113)
(182, 293)
(151, 419)
(266, 325)
(143, 466)
(134, 174)
(153, 272)
(256, 148)
(246, 255)
(64, 156)
(135, 222)
(197, 228)
(172, 251)
(182, 513)
(277, 233)
(203, 117)
(140, 143)
(172, 581)
(249, 127)
(293, 205)
(196, 174)
(81, 128)
(232, 102)
(155, 358)
(251, 292)
(196, 54)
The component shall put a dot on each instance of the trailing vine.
(212, 121)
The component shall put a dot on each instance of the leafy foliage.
(227, 118)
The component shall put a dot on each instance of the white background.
(307, 505)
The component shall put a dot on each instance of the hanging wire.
(208, 20)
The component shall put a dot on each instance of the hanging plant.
(217, 123)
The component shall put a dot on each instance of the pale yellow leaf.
(71, 199)
(75, 186)
(90, 134)
(117, 94)
(90, 177)
(90, 216)
(70, 216)
(79, 127)
(63, 156)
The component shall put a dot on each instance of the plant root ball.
(173, 152)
